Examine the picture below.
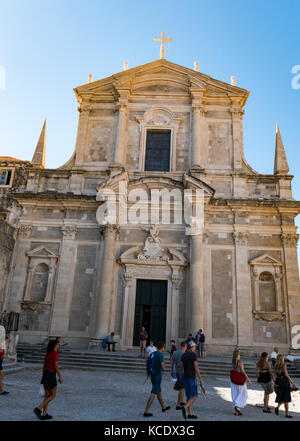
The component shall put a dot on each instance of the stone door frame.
(134, 269)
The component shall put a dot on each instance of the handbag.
(41, 391)
(178, 385)
(237, 377)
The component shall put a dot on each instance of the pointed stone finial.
(90, 78)
(280, 163)
(125, 65)
(196, 66)
(39, 157)
(233, 81)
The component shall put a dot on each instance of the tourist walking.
(143, 342)
(190, 369)
(238, 386)
(200, 342)
(264, 378)
(3, 355)
(173, 349)
(49, 380)
(282, 386)
(150, 349)
(176, 361)
(156, 360)
(273, 356)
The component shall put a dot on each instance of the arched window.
(39, 283)
(267, 293)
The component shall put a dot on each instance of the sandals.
(237, 411)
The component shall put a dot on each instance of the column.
(64, 286)
(127, 283)
(237, 140)
(120, 147)
(243, 290)
(196, 284)
(18, 270)
(84, 113)
(197, 129)
(176, 282)
(289, 241)
(103, 300)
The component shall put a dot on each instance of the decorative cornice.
(269, 316)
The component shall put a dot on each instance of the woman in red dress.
(49, 379)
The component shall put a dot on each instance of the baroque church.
(159, 126)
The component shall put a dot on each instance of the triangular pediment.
(265, 259)
(159, 76)
(41, 251)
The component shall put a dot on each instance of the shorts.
(49, 380)
(267, 387)
(143, 344)
(1, 367)
(190, 386)
(156, 381)
(201, 347)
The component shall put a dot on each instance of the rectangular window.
(157, 156)
(5, 176)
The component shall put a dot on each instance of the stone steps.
(124, 361)
(11, 367)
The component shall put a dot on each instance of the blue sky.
(49, 47)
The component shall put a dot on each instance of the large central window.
(157, 156)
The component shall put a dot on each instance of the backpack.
(153, 364)
(104, 343)
(202, 338)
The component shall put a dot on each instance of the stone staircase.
(126, 361)
(11, 367)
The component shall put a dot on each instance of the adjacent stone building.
(232, 270)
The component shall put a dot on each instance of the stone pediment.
(42, 252)
(158, 76)
(265, 259)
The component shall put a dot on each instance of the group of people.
(199, 341)
(185, 365)
(277, 381)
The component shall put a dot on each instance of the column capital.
(109, 229)
(69, 231)
(241, 237)
(84, 108)
(25, 231)
(237, 112)
(127, 279)
(289, 239)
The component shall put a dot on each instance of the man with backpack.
(201, 344)
(155, 364)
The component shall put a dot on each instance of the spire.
(280, 164)
(39, 157)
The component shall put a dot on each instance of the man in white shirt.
(273, 356)
(151, 348)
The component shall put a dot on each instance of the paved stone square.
(117, 396)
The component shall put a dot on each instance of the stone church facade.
(162, 127)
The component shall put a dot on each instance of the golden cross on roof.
(163, 38)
